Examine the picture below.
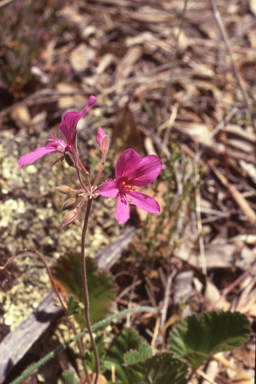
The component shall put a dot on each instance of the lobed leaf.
(160, 369)
(123, 342)
(101, 287)
(197, 339)
(142, 354)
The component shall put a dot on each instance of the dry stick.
(169, 87)
(166, 298)
(85, 289)
(63, 304)
(233, 285)
(239, 79)
(199, 221)
(204, 376)
(156, 332)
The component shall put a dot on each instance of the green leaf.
(90, 358)
(144, 352)
(160, 369)
(74, 306)
(101, 287)
(196, 340)
(69, 378)
(123, 342)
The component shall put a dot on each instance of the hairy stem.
(85, 289)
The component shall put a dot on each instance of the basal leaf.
(196, 340)
(160, 369)
(101, 286)
(125, 341)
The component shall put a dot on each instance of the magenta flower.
(68, 129)
(131, 172)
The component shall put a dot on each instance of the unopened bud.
(65, 189)
(68, 218)
(102, 141)
(105, 145)
(69, 159)
(70, 203)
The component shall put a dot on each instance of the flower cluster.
(131, 170)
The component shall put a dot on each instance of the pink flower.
(131, 172)
(68, 128)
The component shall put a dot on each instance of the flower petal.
(122, 209)
(31, 157)
(144, 202)
(70, 120)
(127, 163)
(109, 189)
(147, 171)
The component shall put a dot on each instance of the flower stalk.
(85, 289)
(131, 172)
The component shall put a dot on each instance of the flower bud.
(102, 141)
(70, 203)
(69, 159)
(68, 218)
(65, 189)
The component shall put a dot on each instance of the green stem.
(85, 289)
(94, 327)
